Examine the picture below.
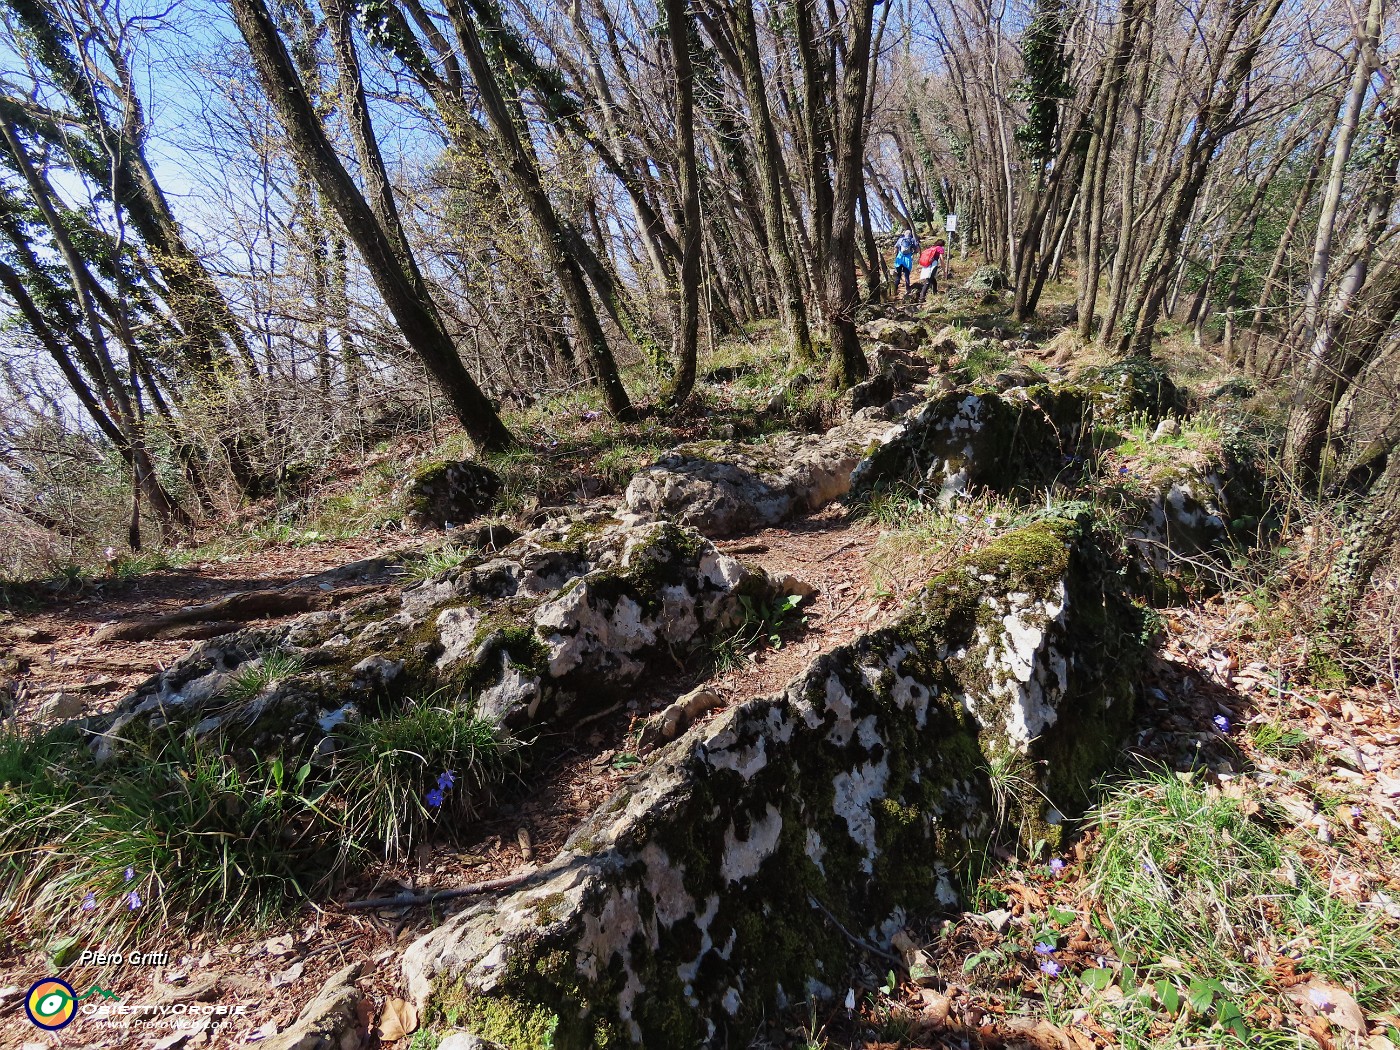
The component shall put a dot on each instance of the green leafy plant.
(256, 677)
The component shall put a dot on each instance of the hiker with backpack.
(904, 250)
(929, 262)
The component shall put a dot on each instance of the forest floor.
(1257, 810)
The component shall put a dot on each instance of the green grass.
(434, 563)
(1276, 740)
(388, 765)
(1202, 897)
(207, 838)
(256, 677)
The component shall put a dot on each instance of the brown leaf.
(936, 1005)
(400, 1019)
(1040, 1034)
(1331, 1002)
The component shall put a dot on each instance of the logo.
(51, 1003)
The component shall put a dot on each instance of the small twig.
(600, 714)
(851, 936)
(405, 900)
(844, 547)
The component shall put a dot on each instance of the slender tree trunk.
(684, 344)
(395, 275)
(1341, 154)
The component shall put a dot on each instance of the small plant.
(764, 624)
(1273, 739)
(430, 765)
(258, 676)
(437, 562)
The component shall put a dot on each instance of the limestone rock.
(706, 894)
(61, 706)
(555, 622)
(455, 493)
(337, 1019)
(466, 1041)
(964, 439)
(666, 725)
(721, 489)
(1131, 390)
(905, 335)
(986, 279)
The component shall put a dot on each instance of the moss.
(516, 1024)
(549, 908)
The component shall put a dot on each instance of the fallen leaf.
(1040, 1034)
(287, 976)
(1334, 1003)
(279, 945)
(400, 1019)
(936, 1005)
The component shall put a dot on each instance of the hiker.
(904, 250)
(929, 262)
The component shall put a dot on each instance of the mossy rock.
(987, 279)
(454, 493)
(1131, 390)
(968, 439)
(726, 880)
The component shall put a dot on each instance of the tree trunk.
(687, 334)
(395, 276)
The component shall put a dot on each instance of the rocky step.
(762, 854)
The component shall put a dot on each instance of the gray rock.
(724, 881)
(558, 621)
(964, 439)
(61, 706)
(333, 1020)
(721, 489)
(906, 335)
(986, 279)
(466, 1041)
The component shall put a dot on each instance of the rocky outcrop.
(986, 279)
(968, 438)
(1188, 502)
(443, 494)
(336, 1019)
(558, 620)
(724, 488)
(741, 870)
(1135, 390)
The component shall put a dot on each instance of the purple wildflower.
(133, 900)
(1221, 723)
(435, 798)
(1044, 949)
(1050, 968)
(90, 901)
(588, 417)
(130, 874)
(1056, 865)
(446, 779)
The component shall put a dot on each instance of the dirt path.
(53, 647)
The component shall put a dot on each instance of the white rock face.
(708, 887)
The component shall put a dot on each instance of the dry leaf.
(400, 1019)
(1040, 1034)
(279, 945)
(936, 1005)
(287, 976)
(1329, 1001)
